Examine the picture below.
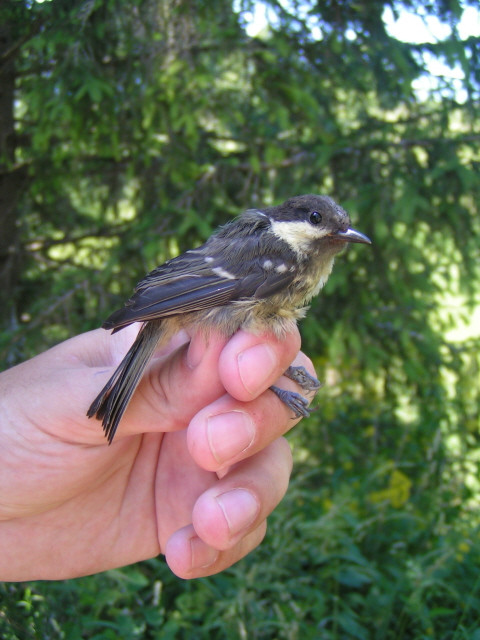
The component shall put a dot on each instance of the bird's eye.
(315, 217)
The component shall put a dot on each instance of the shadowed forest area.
(128, 131)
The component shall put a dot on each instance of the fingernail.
(255, 366)
(202, 555)
(240, 508)
(229, 434)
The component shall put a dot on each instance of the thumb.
(176, 384)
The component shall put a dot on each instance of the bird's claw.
(294, 401)
(304, 379)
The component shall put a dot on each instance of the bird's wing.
(196, 281)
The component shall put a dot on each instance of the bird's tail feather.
(113, 399)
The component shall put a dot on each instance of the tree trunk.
(11, 182)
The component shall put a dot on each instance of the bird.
(257, 272)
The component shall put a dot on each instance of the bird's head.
(312, 223)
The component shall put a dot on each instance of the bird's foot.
(294, 401)
(301, 376)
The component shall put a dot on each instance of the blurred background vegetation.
(128, 131)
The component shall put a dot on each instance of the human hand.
(196, 467)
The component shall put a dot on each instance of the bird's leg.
(294, 401)
(301, 376)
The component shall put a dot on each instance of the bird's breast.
(312, 278)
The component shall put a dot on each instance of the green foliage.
(140, 126)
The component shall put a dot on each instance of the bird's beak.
(352, 235)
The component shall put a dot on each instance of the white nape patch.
(209, 259)
(223, 273)
(267, 264)
(298, 235)
(281, 268)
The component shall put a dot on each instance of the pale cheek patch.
(298, 235)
